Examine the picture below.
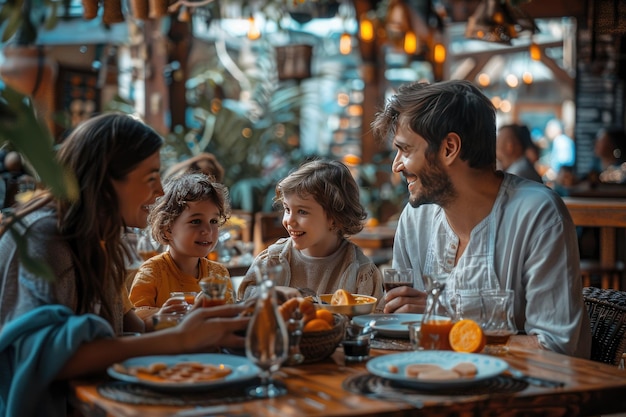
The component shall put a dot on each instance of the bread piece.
(465, 369)
(415, 369)
(439, 375)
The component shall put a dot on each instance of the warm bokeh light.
(253, 31)
(184, 15)
(343, 99)
(216, 105)
(410, 43)
(527, 77)
(535, 52)
(483, 79)
(439, 54)
(345, 44)
(496, 100)
(512, 80)
(355, 110)
(367, 30)
(505, 106)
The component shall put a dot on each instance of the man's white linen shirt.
(527, 243)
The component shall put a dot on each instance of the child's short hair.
(178, 191)
(332, 186)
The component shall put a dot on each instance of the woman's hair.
(180, 190)
(434, 110)
(204, 162)
(98, 151)
(332, 186)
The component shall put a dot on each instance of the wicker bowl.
(317, 346)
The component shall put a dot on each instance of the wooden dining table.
(327, 388)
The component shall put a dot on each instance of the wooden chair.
(610, 276)
(268, 228)
(607, 313)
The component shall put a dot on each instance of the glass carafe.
(438, 316)
(267, 341)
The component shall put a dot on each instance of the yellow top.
(159, 275)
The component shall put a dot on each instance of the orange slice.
(342, 297)
(467, 336)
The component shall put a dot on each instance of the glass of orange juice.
(214, 290)
(186, 297)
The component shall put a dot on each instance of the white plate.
(487, 367)
(243, 369)
(389, 325)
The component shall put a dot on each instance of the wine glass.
(267, 341)
(246, 251)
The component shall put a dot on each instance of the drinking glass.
(415, 335)
(163, 320)
(187, 298)
(246, 251)
(469, 305)
(267, 340)
(214, 290)
(146, 246)
(498, 323)
(393, 278)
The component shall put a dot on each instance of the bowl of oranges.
(343, 302)
(322, 331)
(322, 335)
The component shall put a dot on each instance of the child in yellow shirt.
(186, 219)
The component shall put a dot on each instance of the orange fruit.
(316, 325)
(325, 315)
(342, 297)
(467, 336)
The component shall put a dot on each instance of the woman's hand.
(210, 327)
(405, 300)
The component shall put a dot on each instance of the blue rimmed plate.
(242, 370)
(389, 325)
(393, 367)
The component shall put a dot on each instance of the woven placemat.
(388, 343)
(367, 383)
(130, 393)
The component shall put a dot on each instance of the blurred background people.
(512, 143)
(610, 148)
(562, 148)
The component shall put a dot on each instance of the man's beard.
(436, 187)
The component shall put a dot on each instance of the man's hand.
(404, 300)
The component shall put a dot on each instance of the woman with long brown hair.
(69, 326)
